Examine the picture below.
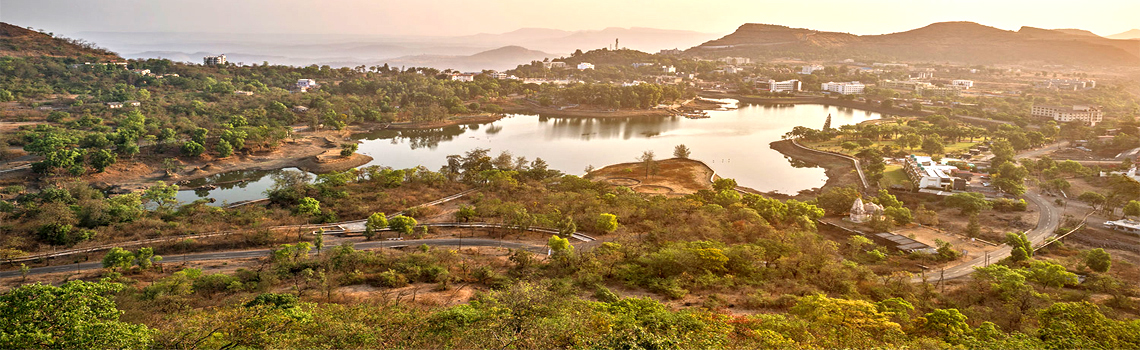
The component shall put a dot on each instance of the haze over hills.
(352, 50)
(502, 58)
(1131, 34)
(956, 42)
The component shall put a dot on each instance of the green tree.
(465, 213)
(647, 160)
(606, 223)
(375, 222)
(402, 224)
(161, 194)
(838, 200)
(224, 149)
(199, 135)
(192, 149)
(560, 245)
(118, 259)
(1021, 247)
(1010, 178)
(1132, 209)
(145, 258)
(968, 202)
(1098, 260)
(309, 206)
(932, 145)
(949, 324)
(347, 149)
(1050, 274)
(102, 159)
(973, 228)
(681, 151)
(75, 315)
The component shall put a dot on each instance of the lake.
(734, 142)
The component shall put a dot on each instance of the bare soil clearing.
(674, 177)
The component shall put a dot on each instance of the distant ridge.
(1131, 34)
(958, 42)
(17, 41)
(502, 58)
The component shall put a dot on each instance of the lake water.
(734, 142)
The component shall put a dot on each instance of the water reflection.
(734, 141)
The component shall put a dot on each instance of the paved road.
(1047, 222)
(1034, 153)
(342, 224)
(255, 253)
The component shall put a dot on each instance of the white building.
(133, 103)
(463, 77)
(642, 64)
(1125, 225)
(844, 88)
(735, 60)
(784, 86)
(925, 173)
(303, 85)
(585, 66)
(733, 70)
(810, 69)
(141, 71)
(114, 105)
(962, 83)
(214, 60)
(554, 65)
(862, 212)
(669, 69)
(890, 65)
(1086, 114)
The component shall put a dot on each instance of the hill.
(502, 58)
(1131, 34)
(957, 42)
(1077, 32)
(21, 42)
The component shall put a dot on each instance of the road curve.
(255, 253)
(1049, 218)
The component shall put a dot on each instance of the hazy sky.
(460, 17)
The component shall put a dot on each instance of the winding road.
(255, 253)
(1049, 218)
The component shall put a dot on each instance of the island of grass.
(672, 177)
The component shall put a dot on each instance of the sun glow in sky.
(463, 17)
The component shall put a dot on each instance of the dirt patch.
(675, 176)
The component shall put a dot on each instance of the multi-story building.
(214, 60)
(809, 69)
(463, 77)
(733, 70)
(554, 65)
(782, 86)
(962, 83)
(1086, 114)
(303, 85)
(906, 85)
(735, 60)
(844, 88)
(1066, 84)
(923, 172)
(670, 52)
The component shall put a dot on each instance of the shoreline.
(840, 171)
(818, 101)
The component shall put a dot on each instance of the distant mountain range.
(353, 50)
(953, 42)
(500, 59)
(1131, 34)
